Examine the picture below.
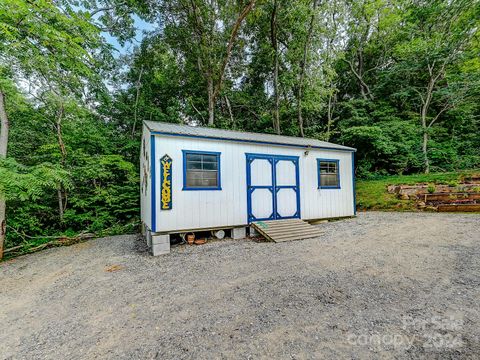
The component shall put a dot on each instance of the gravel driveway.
(382, 285)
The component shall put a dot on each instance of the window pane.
(209, 158)
(202, 170)
(202, 178)
(328, 167)
(210, 166)
(194, 157)
(210, 182)
(328, 180)
(194, 165)
(210, 175)
(194, 178)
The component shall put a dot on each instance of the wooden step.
(286, 230)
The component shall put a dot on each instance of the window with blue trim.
(328, 174)
(201, 170)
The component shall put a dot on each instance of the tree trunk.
(60, 201)
(360, 74)
(211, 102)
(423, 116)
(425, 151)
(4, 127)
(331, 105)
(276, 124)
(3, 154)
(137, 96)
(273, 33)
(230, 113)
(364, 88)
(299, 113)
(63, 152)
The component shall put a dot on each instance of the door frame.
(273, 159)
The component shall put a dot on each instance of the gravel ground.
(382, 285)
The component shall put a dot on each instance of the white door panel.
(274, 196)
(261, 172)
(286, 202)
(285, 173)
(262, 203)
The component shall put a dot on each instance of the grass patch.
(373, 195)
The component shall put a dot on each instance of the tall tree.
(274, 40)
(41, 41)
(214, 27)
(437, 35)
(3, 154)
(369, 25)
(303, 67)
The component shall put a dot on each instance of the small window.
(201, 170)
(328, 174)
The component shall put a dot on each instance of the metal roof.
(239, 136)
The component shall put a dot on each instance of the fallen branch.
(13, 248)
(56, 240)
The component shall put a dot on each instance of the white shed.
(196, 179)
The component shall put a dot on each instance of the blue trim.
(299, 214)
(154, 182)
(353, 184)
(219, 177)
(273, 162)
(338, 173)
(249, 180)
(251, 189)
(252, 141)
(273, 159)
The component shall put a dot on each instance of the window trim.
(319, 174)
(197, 188)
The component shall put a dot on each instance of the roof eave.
(343, 148)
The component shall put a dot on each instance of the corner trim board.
(354, 186)
(153, 186)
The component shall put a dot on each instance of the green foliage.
(23, 183)
(100, 186)
(453, 183)
(105, 195)
(49, 42)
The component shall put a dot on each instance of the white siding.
(228, 207)
(145, 179)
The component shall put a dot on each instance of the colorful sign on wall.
(166, 182)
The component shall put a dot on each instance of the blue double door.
(273, 187)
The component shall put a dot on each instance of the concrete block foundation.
(253, 232)
(160, 244)
(239, 233)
